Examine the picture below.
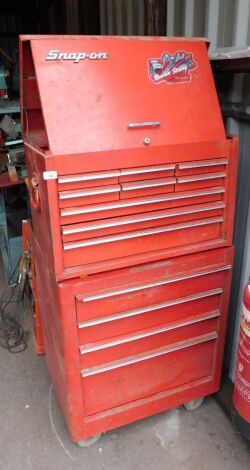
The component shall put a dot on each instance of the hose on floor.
(12, 303)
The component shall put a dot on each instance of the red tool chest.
(132, 189)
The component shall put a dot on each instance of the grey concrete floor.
(34, 436)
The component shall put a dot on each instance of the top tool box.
(132, 188)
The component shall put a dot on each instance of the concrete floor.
(34, 436)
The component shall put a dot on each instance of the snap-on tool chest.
(132, 189)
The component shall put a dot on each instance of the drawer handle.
(92, 348)
(148, 184)
(141, 233)
(107, 294)
(140, 202)
(150, 308)
(91, 192)
(187, 179)
(136, 220)
(149, 169)
(146, 356)
(204, 163)
(137, 125)
(88, 177)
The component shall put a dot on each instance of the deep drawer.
(123, 381)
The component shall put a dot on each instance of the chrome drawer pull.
(140, 202)
(149, 308)
(88, 177)
(149, 169)
(90, 192)
(148, 184)
(91, 348)
(141, 233)
(136, 125)
(204, 163)
(136, 220)
(145, 356)
(209, 176)
(105, 295)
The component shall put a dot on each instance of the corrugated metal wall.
(224, 22)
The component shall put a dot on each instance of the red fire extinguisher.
(241, 395)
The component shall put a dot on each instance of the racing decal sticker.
(172, 68)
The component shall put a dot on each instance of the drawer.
(139, 205)
(134, 296)
(147, 187)
(178, 311)
(187, 183)
(145, 220)
(203, 166)
(88, 180)
(146, 172)
(141, 241)
(120, 347)
(88, 196)
(123, 381)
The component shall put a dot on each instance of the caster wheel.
(193, 404)
(88, 442)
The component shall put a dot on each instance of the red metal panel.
(101, 82)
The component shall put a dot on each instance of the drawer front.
(176, 311)
(123, 381)
(97, 353)
(135, 222)
(88, 180)
(207, 180)
(146, 172)
(141, 241)
(202, 166)
(142, 298)
(147, 187)
(88, 196)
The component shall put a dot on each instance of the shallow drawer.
(180, 310)
(203, 166)
(187, 183)
(123, 381)
(87, 180)
(146, 172)
(88, 196)
(135, 222)
(139, 205)
(141, 241)
(131, 294)
(147, 187)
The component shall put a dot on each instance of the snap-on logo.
(76, 56)
(172, 68)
